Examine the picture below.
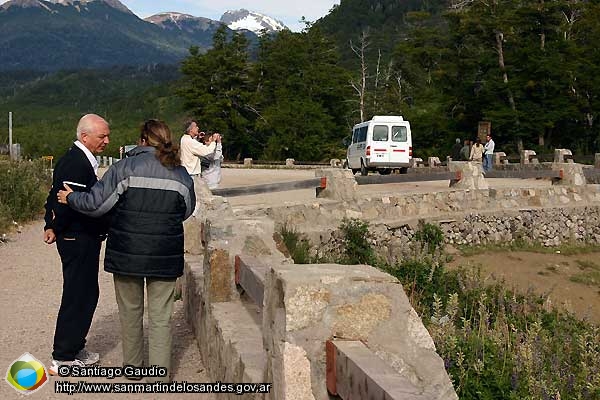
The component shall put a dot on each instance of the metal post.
(10, 144)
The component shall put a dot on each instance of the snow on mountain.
(252, 21)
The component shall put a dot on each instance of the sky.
(287, 11)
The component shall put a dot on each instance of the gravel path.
(31, 281)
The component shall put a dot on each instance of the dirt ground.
(30, 296)
(547, 274)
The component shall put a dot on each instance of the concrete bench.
(500, 158)
(434, 162)
(416, 162)
(529, 157)
(563, 156)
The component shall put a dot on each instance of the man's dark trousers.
(80, 254)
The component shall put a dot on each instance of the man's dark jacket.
(150, 204)
(75, 167)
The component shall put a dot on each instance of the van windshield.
(399, 134)
(380, 133)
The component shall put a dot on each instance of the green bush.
(23, 190)
(499, 345)
(357, 249)
(296, 244)
(430, 236)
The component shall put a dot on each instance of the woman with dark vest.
(150, 195)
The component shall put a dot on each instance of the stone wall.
(282, 341)
(321, 216)
(548, 227)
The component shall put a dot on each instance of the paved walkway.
(30, 276)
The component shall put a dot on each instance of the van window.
(380, 133)
(362, 134)
(355, 136)
(399, 134)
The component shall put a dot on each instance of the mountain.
(50, 35)
(72, 34)
(197, 30)
(252, 21)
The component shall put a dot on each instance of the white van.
(384, 143)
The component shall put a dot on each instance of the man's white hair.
(89, 123)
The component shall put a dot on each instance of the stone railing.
(258, 317)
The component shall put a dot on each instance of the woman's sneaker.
(87, 357)
(56, 364)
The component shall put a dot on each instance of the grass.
(566, 249)
(23, 190)
(590, 275)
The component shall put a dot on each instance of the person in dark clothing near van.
(465, 151)
(150, 195)
(456, 150)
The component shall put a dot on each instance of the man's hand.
(49, 236)
(62, 194)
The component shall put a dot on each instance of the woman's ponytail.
(158, 135)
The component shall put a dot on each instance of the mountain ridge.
(51, 35)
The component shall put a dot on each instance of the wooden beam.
(354, 372)
(250, 275)
(400, 178)
(271, 187)
(523, 173)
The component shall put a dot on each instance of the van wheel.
(403, 170)
(363, 169)
(385, 171)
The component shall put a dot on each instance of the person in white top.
(212, 173)
(489, 154)
(191, 151)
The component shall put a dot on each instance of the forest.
(529, 67)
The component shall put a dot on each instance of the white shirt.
(489, 147)
(191, 150)
(89, 156)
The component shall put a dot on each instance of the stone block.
(572, 174)
(563, 156)
(192, 228)
(416, 162)
(309, 305)
(218, 275)
(341, 184)
(500, 158)
(335, 163)
(289, 162)
(248, 162)
(434, 162)
(469, 175)
(528, 157)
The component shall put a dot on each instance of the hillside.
(46, 110)
(91, 35)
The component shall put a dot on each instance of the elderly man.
(191, 151)
(78, 240)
